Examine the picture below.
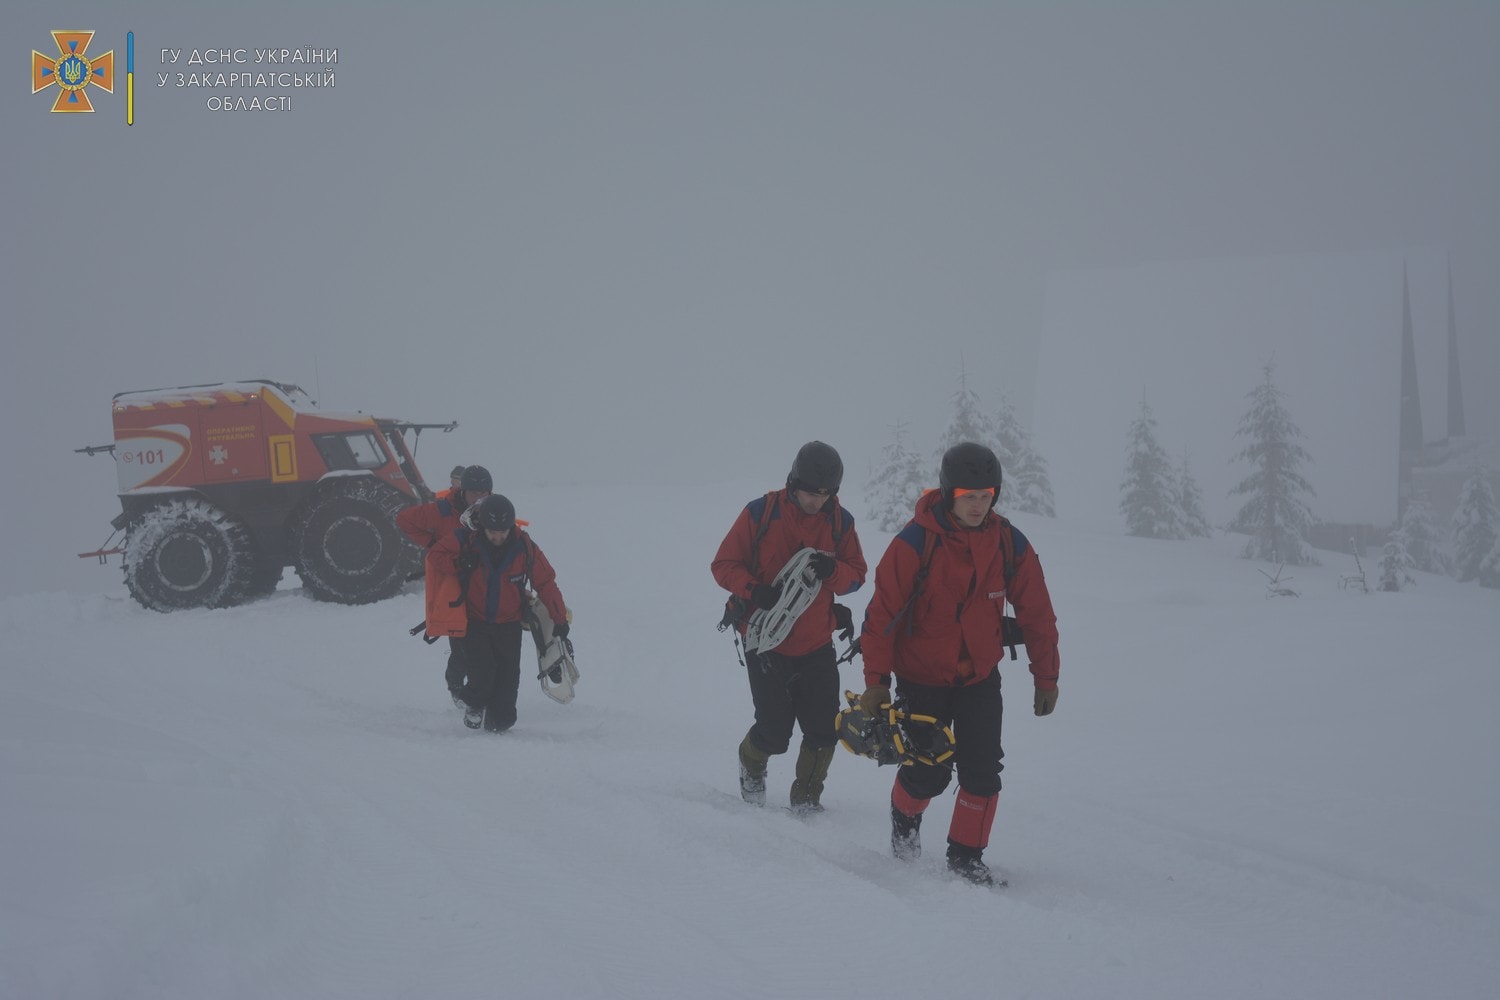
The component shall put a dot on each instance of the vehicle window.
(368, 454)
(357, 450)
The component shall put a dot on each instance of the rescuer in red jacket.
(479, 580)
(941, 637)
(797, 682)
(425, 523)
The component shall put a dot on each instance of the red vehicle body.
(223, 485)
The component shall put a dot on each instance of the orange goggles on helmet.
(988, 494)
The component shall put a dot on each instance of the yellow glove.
(1045, 701)
(875, 696)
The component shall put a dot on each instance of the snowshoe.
(799, 585)
(893, 735)
(556, 670)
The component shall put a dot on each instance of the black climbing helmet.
(495, 513)
(817, 468)
(476, 478)
(969, 466)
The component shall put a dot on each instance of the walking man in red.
(935, 622)
(797, 681)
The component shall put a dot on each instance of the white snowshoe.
(767, 629)
(556, 670)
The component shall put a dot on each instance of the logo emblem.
(73, 71)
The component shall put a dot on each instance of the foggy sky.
(633, 245)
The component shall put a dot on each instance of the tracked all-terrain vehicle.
(224, 485)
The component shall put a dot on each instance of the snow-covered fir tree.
(969, 423)
(1275, 515)
(1026, 487)
(896, 482)
(1476, 525)
(1396, 564)
(1424, 540)
(1190, 501)
(1148, 495)
(1489, 570)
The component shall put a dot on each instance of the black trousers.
(793, 689)
(454, 675)
(974, 711)
(492, 656)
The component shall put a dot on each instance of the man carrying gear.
(794, 679)
(936, 622)
(425, 523)
(482, 575)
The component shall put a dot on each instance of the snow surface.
(1237, 796)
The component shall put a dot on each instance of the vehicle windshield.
(354, 450)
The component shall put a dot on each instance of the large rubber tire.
(187, 553)
(349, 550)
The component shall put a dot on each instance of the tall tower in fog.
(1455, 388)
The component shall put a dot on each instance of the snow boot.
(812, 771)
(906, 835)
(753, 772)
(906, 823)
(473, 717)
(968, 864)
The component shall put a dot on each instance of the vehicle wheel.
(187, 553)
(348, 547)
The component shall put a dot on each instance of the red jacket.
(492, 591)
(952, 635)
(738, 566)
(425, 523)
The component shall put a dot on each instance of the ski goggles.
(988, 494)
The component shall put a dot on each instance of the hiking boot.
(812, 771)
(906, 838)
(966, 863)
(458, 698)
(473, 717)
(752, 772)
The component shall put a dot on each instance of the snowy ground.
(1237, 797)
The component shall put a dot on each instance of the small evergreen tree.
(1396, 564)
(1424, 542)
(1489, 570)
(1275, 515)
(1148, 495)
(1026, 487)
(969, 423)
(892, 490)
(1476, 525)
(1190, 501)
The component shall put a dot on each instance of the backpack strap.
(464, 535)
(768, 512)
(930, 542)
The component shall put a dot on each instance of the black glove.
(765, 596)
(467, 560)
(843, 620)
(560, 630)
(822, 565)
